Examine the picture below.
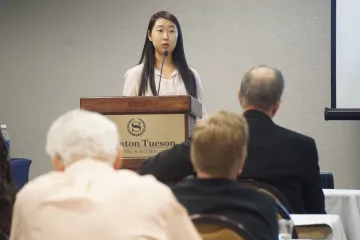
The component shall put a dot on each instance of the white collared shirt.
(168, 87)
(91, 201)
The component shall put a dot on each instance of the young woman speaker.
(163, 69)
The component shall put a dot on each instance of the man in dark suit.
(276, 155)
(218, 151)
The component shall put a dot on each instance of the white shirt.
(168, 87)
(91, 201)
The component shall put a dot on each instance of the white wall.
(54, 52)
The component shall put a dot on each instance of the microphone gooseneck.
(161, 69)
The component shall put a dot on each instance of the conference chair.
(20, 171)
(218, 227)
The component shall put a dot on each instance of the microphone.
(162, 65)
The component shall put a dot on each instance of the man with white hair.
(88, 198)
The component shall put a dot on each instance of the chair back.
(284, 208)
(217, 227)
(270, 190)
(327, 180)
(20, 168)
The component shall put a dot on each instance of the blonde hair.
(219, 144)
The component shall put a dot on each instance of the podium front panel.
(145, 135)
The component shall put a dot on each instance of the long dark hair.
(7, 190)
(178, 57)
(5, 176)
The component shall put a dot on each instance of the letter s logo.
(136, 127)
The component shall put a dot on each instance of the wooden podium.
(147, 125)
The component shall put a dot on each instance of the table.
(346, 204)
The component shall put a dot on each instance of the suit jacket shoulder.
(171, 165)
(287, 133)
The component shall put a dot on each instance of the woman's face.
(163, 35)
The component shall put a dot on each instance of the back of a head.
(219, 144)
(81, 134)
(5, 175)
(7, 190)
(261, 87)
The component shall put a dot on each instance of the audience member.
(7, 191)
(218, 152)
(86, 198)
(281, 157)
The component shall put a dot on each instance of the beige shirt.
(92, 201)
(168, 87)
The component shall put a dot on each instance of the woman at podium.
(162, 69)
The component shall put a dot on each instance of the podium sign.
(144, 135)
(147, 125)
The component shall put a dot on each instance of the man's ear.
(149, 36)
(58, 163)
(239, 98)
(119, 160)
(278, 103)
(276, 107)
(242, 163)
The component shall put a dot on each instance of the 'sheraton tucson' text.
(147, 143)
